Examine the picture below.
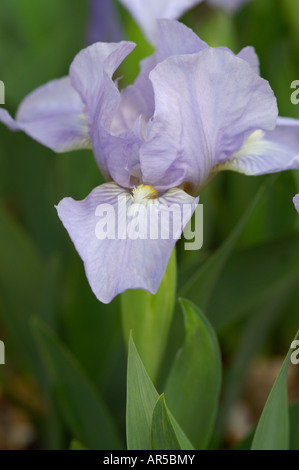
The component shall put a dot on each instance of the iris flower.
(296, 202)
(147, 12)
(193, 111)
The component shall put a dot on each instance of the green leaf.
(142, 398)
(245, 444)
(201, 285)
(273, 431)
(149, 317)
(163, 433)
(193, 385)
(82, 408)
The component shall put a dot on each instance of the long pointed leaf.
(141, 401)
(162, 432)
(193, 386)
(273, 431)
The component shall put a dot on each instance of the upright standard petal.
(248, 53)
(296, 202)
(71, 112)
(53, 114)
(268, 152)
(147, 12)
(125, 238)
(173, 38)
(206, 104)
(91, 75)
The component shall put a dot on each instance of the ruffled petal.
(173, 38)
(296, 202)
(147, 12)
(248, 53)
(205, 106)
(91, 75)
(53, 115)
(268, 152)
(111, 232)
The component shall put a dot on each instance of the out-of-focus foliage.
(75, 353)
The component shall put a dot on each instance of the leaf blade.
(272, 432)
(163, 435)
(193, 385)
(150, 331)
(142, 398)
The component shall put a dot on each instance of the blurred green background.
(253, 300)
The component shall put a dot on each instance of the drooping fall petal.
(125, 240)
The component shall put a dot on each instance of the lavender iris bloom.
(296, 202)
(146, 12)
(193, 111)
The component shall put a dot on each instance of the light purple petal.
(268, 152)
(132, 105)
(146, 12)
(91, 75)
(115, 265)
(248, 53)
(53, 114)
(206, 104)
(92, 69)
(296, 202)
(173, 38)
